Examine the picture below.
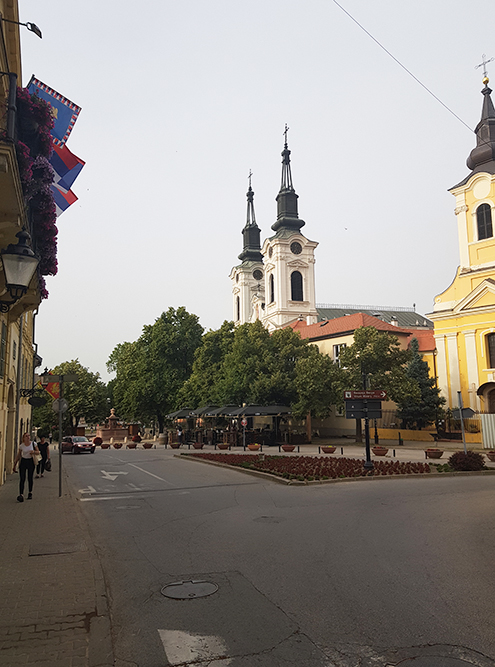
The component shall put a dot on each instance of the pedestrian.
(179, 435)
(25, 460)
(44, 448)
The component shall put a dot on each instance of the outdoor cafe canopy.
(261, 411)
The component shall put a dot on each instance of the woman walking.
(26, 465)
(44, 448)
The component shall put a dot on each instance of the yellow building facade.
(464, 314)
(17, 353)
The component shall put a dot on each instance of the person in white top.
(26, 465)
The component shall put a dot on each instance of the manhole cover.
(434, 661)
(187, 590)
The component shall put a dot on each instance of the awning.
(467, 413)
(225, 411)
(201, 412)
(179, 414)
(484, 386)
(262, 411)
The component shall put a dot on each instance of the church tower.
(464, 315)
(247, 277)
(289, 260)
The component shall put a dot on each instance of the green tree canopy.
(418, 413)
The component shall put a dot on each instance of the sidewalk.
(53, 606)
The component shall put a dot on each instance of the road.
(355, 574)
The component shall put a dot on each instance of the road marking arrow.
(112, 476)
(90, 489)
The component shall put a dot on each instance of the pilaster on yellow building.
(464, 314)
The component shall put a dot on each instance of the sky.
(180, 99)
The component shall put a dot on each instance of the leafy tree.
(424, 410)
(86, 398)
(317, 383)
(151, 371)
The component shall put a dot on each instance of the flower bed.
(311, 468)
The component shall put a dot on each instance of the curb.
(292, 482)
(100, 648)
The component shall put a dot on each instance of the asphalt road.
(357, 574)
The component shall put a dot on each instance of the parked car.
(77, 444)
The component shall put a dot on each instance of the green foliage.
(423, 410)
(317, 383)
(379, 355)
(467, 461)
(151, 371)
(86, 398)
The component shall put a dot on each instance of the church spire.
(287, 215)
(251, 232)
(482, 158)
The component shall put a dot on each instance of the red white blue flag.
(66, 166)
(62, 199)
(65, 112)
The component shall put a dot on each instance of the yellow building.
(464, 314)
(17, 355)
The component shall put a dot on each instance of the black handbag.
(48, 465)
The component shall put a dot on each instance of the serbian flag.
(62, 199)
(66, 166)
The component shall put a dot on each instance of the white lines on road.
(112, 476)
(89, 489)
(152, 475)
(184, 648)
(119, 497)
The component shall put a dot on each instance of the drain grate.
(188, 590)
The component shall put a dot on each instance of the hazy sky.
(180, 99)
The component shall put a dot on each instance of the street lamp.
(19, 264)
(30, 26)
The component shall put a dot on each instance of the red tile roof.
(343, 325)
(425, 338)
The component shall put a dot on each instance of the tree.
(86, 398)
(151, 371)
(317, 383)
(423, 411)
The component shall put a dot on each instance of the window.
(490, 339)
(14, 349)
(272, 288)
(337, 349)
(238, 307)
(3, 349)
(484, 221)
(296, 286)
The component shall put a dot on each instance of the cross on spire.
(483, 65)
(287, 129)
(249, 178)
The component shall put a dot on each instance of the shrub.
(97, 441)
(466, 461)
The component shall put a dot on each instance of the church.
(275, 283)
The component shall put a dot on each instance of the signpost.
(62, 405)
(365, 404)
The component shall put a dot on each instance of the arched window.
(296, 286)
(490, 340)
(272, 288)
(484, 220)
(238, 308)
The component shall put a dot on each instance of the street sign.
(37, 401)
(362, 414)
(60, 404)
(365, 394)
(244, 421)
(361, 409)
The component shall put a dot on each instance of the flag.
(66, 166)
(64, 111)
(62, 199)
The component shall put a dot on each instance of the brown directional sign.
(360, 409)
(365, 394)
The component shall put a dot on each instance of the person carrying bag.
(44, 448)
(27, 455)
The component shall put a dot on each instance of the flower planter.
(379, 451)
(147, 445)
(117, 445)
(223, 445)
(198, 445)
(253, 447)
(175, 445)
(433, 453)
(491, 455)
(288, 448)
(328, 449)
(131, 445)
(105, 445)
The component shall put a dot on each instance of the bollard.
(393, 450)
(401, 442)
(298, 450)
(279, 448)
(319, 449)
(342, 451)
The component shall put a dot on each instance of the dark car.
(77, 444)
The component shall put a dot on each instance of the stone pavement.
(53, 605)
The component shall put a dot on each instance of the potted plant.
(105, 445)
(491, 455)
(223, 445)
(254, 446)
(379, 450)
(147, 445)
(175, 445)
(198, 445)
(328, 449)
(117, 445)
(97, 441)
(288, 448)
(131, 445)
(433, 453)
